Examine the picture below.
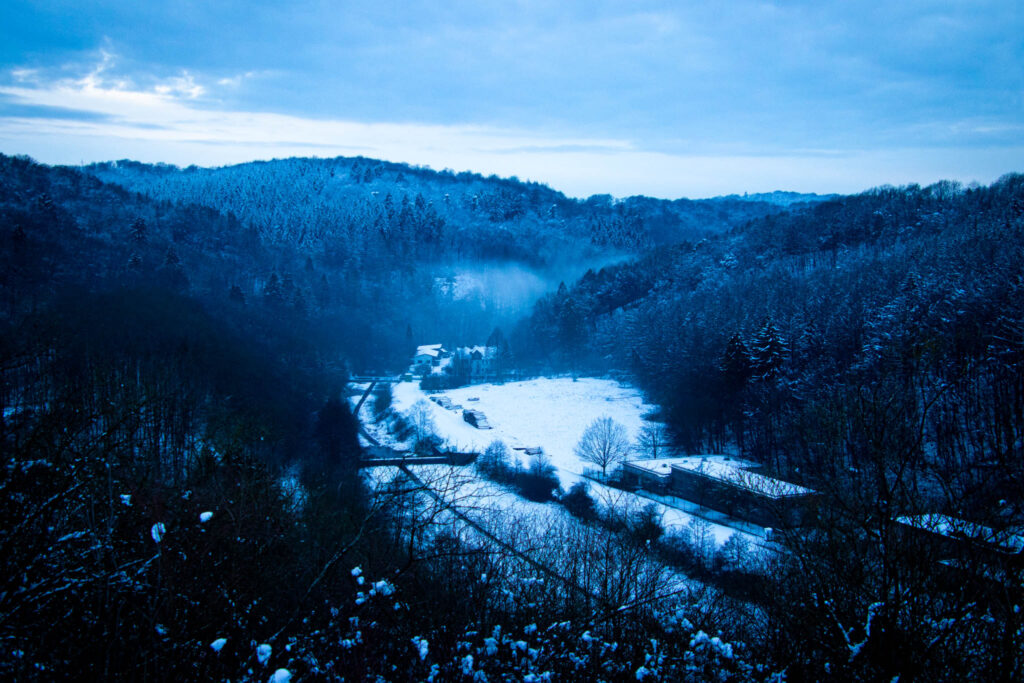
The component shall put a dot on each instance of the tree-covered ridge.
(426, 214)
(65, 228)
(910, 278)
(749, 337)
(872, 349)
(394, 249)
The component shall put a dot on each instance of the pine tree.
(497, 338)
(335, 432)
(138, 231)
(735, 370)
(273, 292)
(768, 353)
(735, 364)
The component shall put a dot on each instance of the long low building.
(950, 533)
(726, 484)
(653, 475)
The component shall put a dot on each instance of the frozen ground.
(552, 413)
(549, 413)
(544, 532)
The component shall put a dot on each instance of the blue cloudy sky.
(662, 98)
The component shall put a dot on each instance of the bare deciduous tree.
(651, 440)
(422, 423)
(603, 443)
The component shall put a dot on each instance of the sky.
(667, 99)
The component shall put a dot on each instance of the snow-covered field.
(552, 413)
(546, 413)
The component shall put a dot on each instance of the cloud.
(237, 80)
(100, 114)
(173, 110)
(183, 85)
(10, 108)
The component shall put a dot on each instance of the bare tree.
(651, 440)
(422, 421)
(603, 443)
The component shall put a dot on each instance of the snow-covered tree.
(768, 353)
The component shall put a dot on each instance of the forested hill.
(139, 389)
(405, 254)
(181, 468)
(343, 204)
(796, 335)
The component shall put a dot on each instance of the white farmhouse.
(428, 356)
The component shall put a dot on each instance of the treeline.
(912, 285)
(316, 203)
(67, 229)
(357, 235)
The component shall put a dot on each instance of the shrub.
(539, 482)
(645, 525)
(578, 501)
(495, 463)
(382, 399)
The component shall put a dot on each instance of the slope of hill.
(310, 202)
(760, 337)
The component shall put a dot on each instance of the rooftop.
(484, 351)
(663, 466)
(954, 527)
(735, 473)
(429, 350)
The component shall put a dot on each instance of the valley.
(810, 415)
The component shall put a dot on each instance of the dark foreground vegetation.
(164, 359)
(872, 349)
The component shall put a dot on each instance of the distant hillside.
(401, 254)
(311, 203)
(782, 198)
(762, 337)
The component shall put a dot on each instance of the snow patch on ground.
(552, 413)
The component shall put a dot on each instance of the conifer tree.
(735, 365)
(138, 231)
(768, 353)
